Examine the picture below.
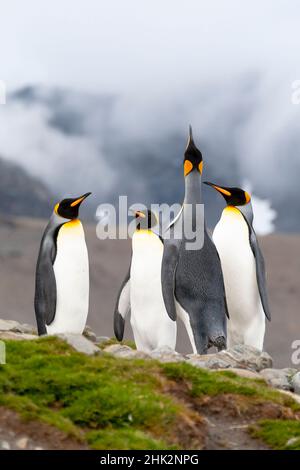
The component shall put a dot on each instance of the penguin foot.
(219, 342)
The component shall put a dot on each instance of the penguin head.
(69, 208)
(145, 219)
(233, 196)
(192, 156)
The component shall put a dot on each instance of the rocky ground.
(224, 415)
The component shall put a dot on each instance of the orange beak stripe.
(78, 201)
(223, 191)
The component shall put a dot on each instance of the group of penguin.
(217, 290)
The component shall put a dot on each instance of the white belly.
(152, 327)
(71, 268)
(247, 318)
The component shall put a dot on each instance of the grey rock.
(102, 339)
(239, 357)
(166, 354)
(16, 336)
(80, 343)
(296, 383)
(217, 362)
(16, 327)
(125, 352)
(4, 445)
(247, 357)
(22, 443)
(89, 334)
(8, 325)
(292, 441)
(279, 378)
(208, 361)
(25, 328)
(197, 361)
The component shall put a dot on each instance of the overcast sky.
(155, 45)
(227, 67)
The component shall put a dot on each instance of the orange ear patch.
(56, 208)
(247, 197)
(200, 166)
(188, 166)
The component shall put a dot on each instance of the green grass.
(124, 439)
(111, 341)
(107, 402)
(47, 380)
(202, 382)
(278, 434)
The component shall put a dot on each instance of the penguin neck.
(56, 220)
(143, 231)
(193, 193)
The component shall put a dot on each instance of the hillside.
(19, 244)
(21, 193)
(53, 397)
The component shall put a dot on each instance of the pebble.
(296, 383)
(4, 445)
(22, 443)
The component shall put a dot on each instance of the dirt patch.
(224, 420)
(230, 416)
(16, 434)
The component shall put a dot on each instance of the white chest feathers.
(71, 269)
(247, 319)
(152, 327)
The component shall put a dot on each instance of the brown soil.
(222, 422)
(38, 436)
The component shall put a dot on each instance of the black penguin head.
(69, 208)
(145, 219)
(233, 196)
(192, 156)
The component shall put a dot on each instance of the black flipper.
(260, 268)
(225, 300)
(122, 307)
(168, 272)
(45, 283)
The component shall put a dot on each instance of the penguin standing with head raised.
(62, 272)
(243, 269)
(141, 292)
(192, 280)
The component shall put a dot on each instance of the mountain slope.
(20, 193)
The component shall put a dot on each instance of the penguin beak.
(221, 190)
(193, 156)
(80, 199)
(138, 214)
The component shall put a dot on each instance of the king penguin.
(62, 272)
(192, 280)
(243, 269)
(141, 291)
